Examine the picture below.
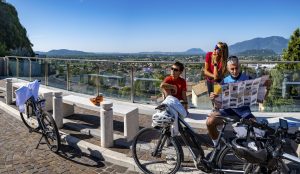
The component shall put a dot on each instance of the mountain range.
(258, 46)
(275, 43)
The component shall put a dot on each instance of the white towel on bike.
(176, 109)
(25, 92)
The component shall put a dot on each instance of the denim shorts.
(230, 112)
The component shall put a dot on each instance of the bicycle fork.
(158, 148)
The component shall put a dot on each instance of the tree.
(3, 51)
(292, 53)
(12, 33)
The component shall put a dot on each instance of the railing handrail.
(141, 61)
(43, 64)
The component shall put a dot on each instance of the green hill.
(262, 52)
(13, 36)
(275, 43)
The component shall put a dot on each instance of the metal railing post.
(30, 70)
(132, 84)
(46, 72)
(98, 81)
(7, 66)
(17, 67)
(184, 71)
(68, 77)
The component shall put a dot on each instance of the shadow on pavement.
(78, 157)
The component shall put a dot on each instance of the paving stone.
(110, 169)
(18, 154)
(120, 169)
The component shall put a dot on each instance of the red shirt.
(180, 84)
(208, 60)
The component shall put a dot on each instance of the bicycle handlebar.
(250, 122)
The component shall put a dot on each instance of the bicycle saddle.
(161, 107)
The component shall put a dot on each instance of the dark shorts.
(232, 113)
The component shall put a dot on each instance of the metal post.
(68, 77)
(132, 84)
(30, 70)
(7, 62)
(98, 81)
(46, 72)
(184, 71)
(17, 67)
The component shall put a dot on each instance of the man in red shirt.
(175, 85)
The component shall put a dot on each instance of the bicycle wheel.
(155, 152)
(29, 119)
(227, 160)
(50, 132)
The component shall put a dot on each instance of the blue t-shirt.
(243, 111)
(229, 79)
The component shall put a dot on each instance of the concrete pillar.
(9, 91)
(57, 109)
(131, 124)
(106, 118)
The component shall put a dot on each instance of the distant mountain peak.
(275, 43)
(195, 51)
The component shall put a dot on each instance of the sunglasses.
(217, 48)
(174, 69)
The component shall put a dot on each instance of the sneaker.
(201, 165)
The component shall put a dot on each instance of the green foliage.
(3, 49)
(292, 53)
(12, 34)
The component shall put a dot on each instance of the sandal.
(96, 101)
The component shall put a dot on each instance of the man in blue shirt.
(212, 122)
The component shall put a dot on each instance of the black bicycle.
(39, 121)
(155, 150)
(269, 153)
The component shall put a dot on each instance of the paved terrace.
(84, 144)
(18, 154)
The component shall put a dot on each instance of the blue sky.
(152, 25)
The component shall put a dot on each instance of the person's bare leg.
(212, 122)
(166, 92)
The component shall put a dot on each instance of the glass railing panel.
(148, 77)
(38, 70)
(57, 73)
(284, 93)
(196, 87)
(114, 80)
(84, 77)
(24, 69)
(2, 67)
(12, 67)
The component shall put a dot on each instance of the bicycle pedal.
(201, 165)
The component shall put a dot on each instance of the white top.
(25, 92)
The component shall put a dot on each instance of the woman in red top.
(215, 65)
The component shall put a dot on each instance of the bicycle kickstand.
(37, 146)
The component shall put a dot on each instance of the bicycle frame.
(194, 145)
(37, 112)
